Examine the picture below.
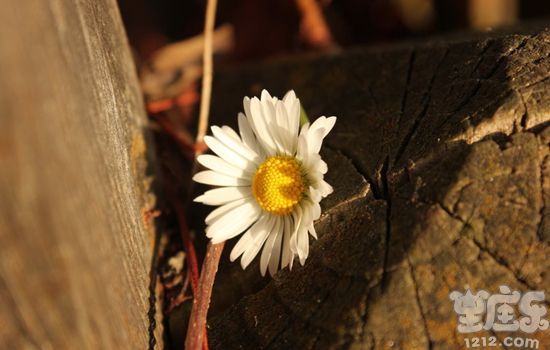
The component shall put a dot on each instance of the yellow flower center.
(278, 184)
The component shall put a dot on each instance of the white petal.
(247, 238)
(304, 129)
(276, 251)
(297, 217)
(227, 154)
(303, 244)
(312, 231)
(299, 242)
(289, 96)
(324, 188)
(309, 210)
(232, 223)
(314, 177)
(287, 254)
(237, 221)
(271, 120)
(324, 123)
(315, 195)
(258, 122)
(235, 228)
(269, 244)
(221, 166)
(282, 116)
(257, 241)
(322, 166)
(228, 130)
(269, 116)
(287, 146)
(329, 124)
(265, 95)
(223, 195)
(316, 164)
(248, 208)
(246, 106)
(292, 105)
(209, 177)
(301, 151)
(315, 211)
(315, 140)
(218, 212)
(234, 145)
(302, 239)
(247, 134)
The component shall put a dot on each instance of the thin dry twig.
(190, 51)
(176, 67)
(196, 331)
(207, 69)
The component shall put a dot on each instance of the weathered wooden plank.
(74, 251)
(450, 142)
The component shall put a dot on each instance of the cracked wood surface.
(75, 252)
(440, 163)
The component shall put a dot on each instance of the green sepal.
(303, 116)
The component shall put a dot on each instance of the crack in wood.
(544, 162)
(387, 241)
(525, 115)
(419, 304)
(372, 185)
(488, 44)
(502, 262)
(408, 76)
(425, 103)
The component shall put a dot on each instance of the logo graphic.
(499, 311)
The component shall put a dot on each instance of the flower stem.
(201, 302)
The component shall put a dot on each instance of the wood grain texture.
(74, 251)
(440, 164)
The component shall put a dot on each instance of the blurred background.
(266, 28)
(166, 34)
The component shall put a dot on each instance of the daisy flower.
(271, 182)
